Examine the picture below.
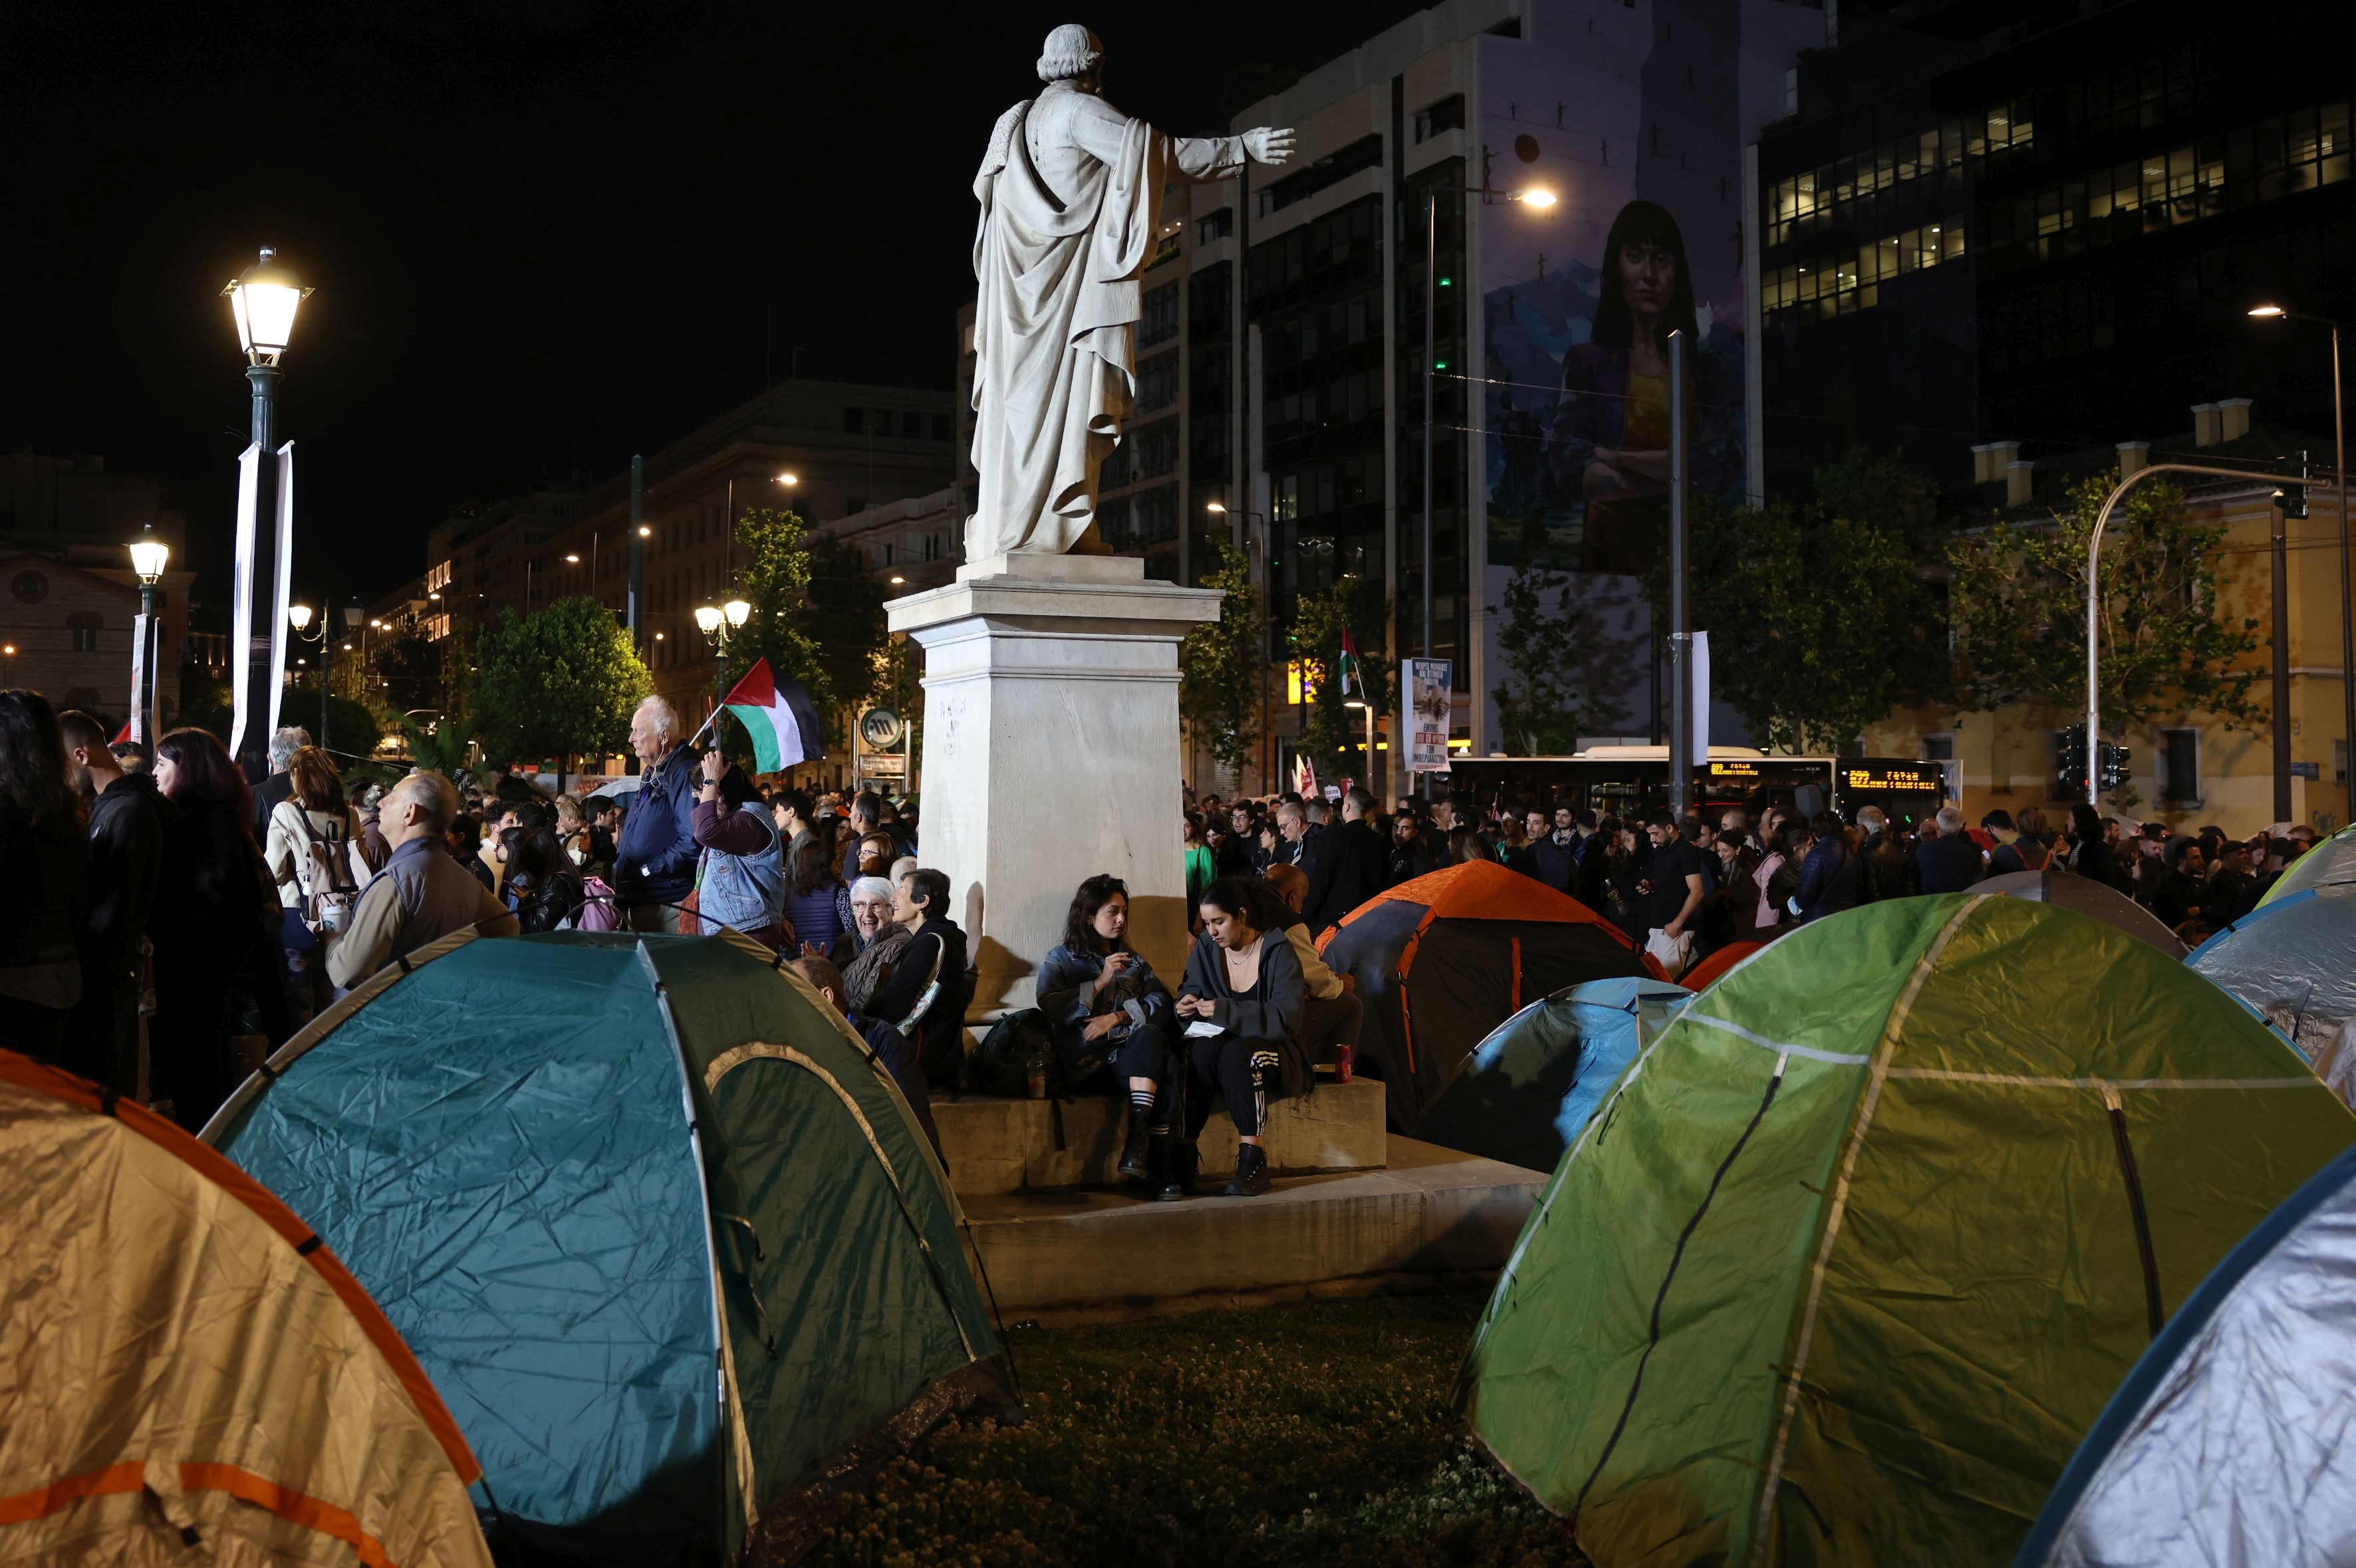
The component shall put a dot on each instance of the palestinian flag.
(778, 714)
(1354, 679)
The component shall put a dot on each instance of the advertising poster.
(1428, 683)
(1632, 117)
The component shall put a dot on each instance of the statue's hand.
(1266, 146)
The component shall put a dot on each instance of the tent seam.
(731, 1402)
(1874, 1078)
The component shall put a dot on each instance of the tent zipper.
(2154, 1313)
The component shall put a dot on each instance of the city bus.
(1627, 781)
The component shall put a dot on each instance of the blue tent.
(658, 1226)
(2228, 1442)
(1526, 1091)
(2293, 961)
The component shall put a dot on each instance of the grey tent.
(2087, 896)
(2226, 1444)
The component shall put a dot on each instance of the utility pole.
(637, 546)
(1681, 691)
(2280, 685)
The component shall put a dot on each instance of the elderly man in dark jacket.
(654, 864)
(1353, 859)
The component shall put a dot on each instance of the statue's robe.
(1070, 192)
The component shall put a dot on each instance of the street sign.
(2307, 770)
(1430, 684)
(880, 729)
(883, 765)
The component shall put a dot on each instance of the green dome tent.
(1859, 1247)
(586, 1172)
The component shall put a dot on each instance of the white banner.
(139, 634)
(241, 599)
(1430, 684)
(284, 592)
(1701, 699)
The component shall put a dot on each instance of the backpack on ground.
(1001, 1064)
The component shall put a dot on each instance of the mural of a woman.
(1610, 437)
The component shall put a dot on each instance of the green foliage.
(2019, 604)
(440, 747)
(556, 683)
(788, 625)
(353, 728)
(1547, 699)
(1221, 672)
(1316, 1434)
(1821, 618)
(1332, 735)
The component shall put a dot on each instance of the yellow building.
(2188, 770)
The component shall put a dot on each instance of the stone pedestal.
(1052, 753)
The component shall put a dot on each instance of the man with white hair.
(280, 785)
(422, 895)
(654, 864)
(1950, 862)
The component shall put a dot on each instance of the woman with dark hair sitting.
(545, 888)
(925, 995)
(1111, 1017)
(1244, 986)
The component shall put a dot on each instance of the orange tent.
(183, 1365)
(1698, 977)
(1443, 958)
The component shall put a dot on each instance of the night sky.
(544, 235)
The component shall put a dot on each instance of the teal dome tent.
(658, 1225)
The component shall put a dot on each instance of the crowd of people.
(248, 910)
(1684, 888)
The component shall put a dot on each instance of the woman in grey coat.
(1245, 985)
(1110, 1017)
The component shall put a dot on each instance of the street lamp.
(2339, 485)
(263, 301)
(149, 556)
(300, 617)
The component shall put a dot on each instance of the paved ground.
(1313, 1433)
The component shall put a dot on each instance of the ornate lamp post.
(149, 556)
(263, 299)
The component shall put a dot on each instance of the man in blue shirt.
(654, 864)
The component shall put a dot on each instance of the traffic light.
(2293, 499)
(2070, 764)
(2114, 766)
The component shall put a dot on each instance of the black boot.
(1132, 1153)
(1251, 1172)
(1162, 1165)
(1185, 1165)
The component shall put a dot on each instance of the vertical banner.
(241, 599)
(282, 593)
(1428, 683)
(141, 628)
(1700, 699)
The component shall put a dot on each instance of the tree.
(1330, 732)
(1823, 618)
(785, 620)
(845, 611)
(1547, 699)
(353, 728)
(1221, 671)
(440, 747)
(2019, 596)
(556, 683)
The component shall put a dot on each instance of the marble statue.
(1070, 192)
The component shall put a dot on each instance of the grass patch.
(1316, 1434)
